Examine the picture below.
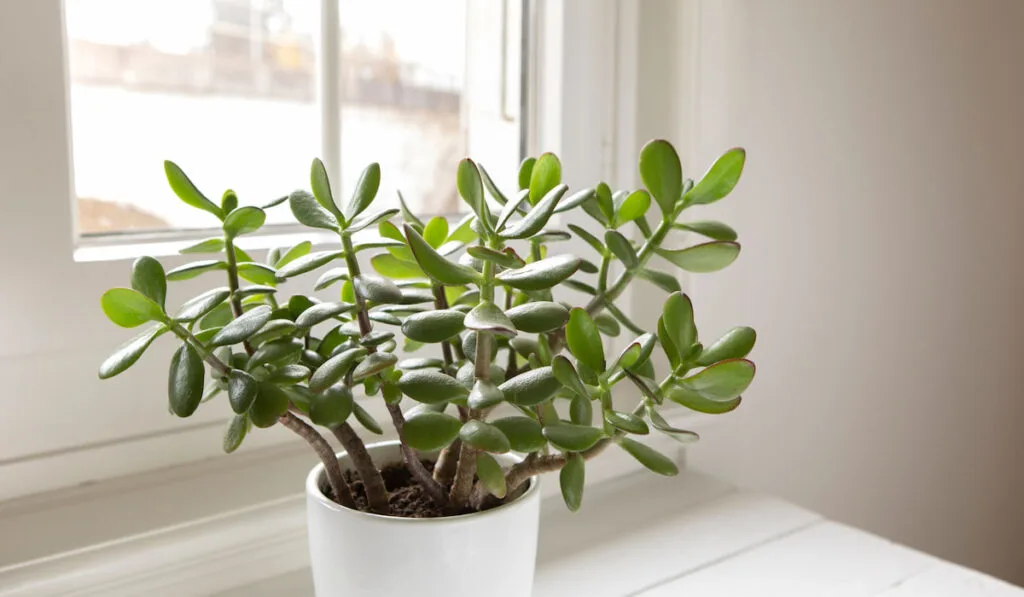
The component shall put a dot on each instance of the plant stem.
(643, 255)
(218, 365)
(464, 473)
(373, 483)
(342, 493)
(447, 462)
(441, 302)
(236, 301)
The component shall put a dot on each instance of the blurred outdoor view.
(227, 89)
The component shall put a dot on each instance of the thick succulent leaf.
(129, 308)
(507, 258)
(251, 291)
(545, 174)
(550, 235)
(484, 394)
(321, 312)
(434, 326)
(271, 402)
(607, 324)
(186, 191)
(463, 232)
(677, 316)
(668, 344)
(148, 278)
(491, 475)
(335, 368)
(488, 317)
(373, 364)
(541, 275)
(415, 296)
(435, 266)
(584, 339)
(589, 238)
(191, 270)
(274, 329)
(309, 213)
(632, 206)
(567, 376)
(128, 353)
(210, 245)
(719, 180)
(724, 380)
(185, 382)
(425, 385)
(531, 387)
(601, 204)
(244, 220)
(571, 480)
(666, 282)
(365, 192)
(703, 258)
(235, 432)
(575, 200)
(257, 273)
(627, 422)
(484, 436)
(331, 276)
(366, 419)
(421, 363)
(662, 174)
(242, 390)
(471, 190)
(378, 290)
(622, 249)
(649, 457)
(277, 353)
(436, 231)
(538, 316)
(709, 228)
(525, 173)
(581, 410)
(572, 438)
(511, 208)
(659, 423)
(492, 188)
(407, 215)
(332, 407)
(241, 328)
(300, 249)
(322, 188)
(694, 401)
(396, 269)
(228, 201)
(734, 344)
(372, 219)
(430, 431)
(523, 433)
(537, 217)
(308, 263)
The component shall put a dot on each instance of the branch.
(413, 463)
(373, 483)
(463, 483)
(598, 303)
(519, 473)
(447, 462)
(342, 493)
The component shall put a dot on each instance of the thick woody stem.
(413, 463)
(342, 493)
(463, 484)
(447, 462)
(373, 483)
(519, 473)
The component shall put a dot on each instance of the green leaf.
(275, 202)
(506, 258)
(724, 380)
(210, 245)
(627, 422)
(242, 390)
(431, 387)
(186, 191)
(710, 229)
(659, 423)
(633, 206)
(366, 191)
(308, 212)
(322, 188)
(662, 174)
(581, 411)
(472, 191)
(668, 344)
(198, 306)
(463, 232)
(719, 180)
(149, 279)
(236, 431)
(371, 219)
(274, 329)
(567, 376)
(524, 434)
(271, 402)
(484, 436)
(488, 317)
(377, 290)
(664, 281)
(366, 419)
(537, 217)
(321, 312)
(541, 275)
(185, 383)
(538, 316)
(734, 344)
(511, 208)
(300, 249)
(571, 480)
(622, 249)
(584, 339)
(407, 215)
(704, 258)
(332, 407)
(430, 431)
(492, 477)
(601, 204)
(572, 438)
(129, 308)
(434, 326)
(251, 291)
(326, 279)
(244, 220)
(649, 457)
(526, 172)
(545, 175)
(484, 394)
(607, 324)
(677, 315)
(396, 269)
(277, 353)
(191, 270)
(335, 368)
(228, 201)
(575, 200)
(435, 266)
(308, 263)
(241, 328)
(531, 387)
(257, 273)
(373, 364)
(128, 353)
(436, 231)
(589, 238)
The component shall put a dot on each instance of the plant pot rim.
(313, 489)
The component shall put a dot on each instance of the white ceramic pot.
(356, 553)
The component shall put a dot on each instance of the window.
(228, 89)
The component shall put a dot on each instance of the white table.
(697, 536)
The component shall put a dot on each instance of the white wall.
(881, 216)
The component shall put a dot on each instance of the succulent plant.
(491, 359)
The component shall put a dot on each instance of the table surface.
(696, 535)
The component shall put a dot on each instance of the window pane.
(225, 88)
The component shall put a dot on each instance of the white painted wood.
(949, 580)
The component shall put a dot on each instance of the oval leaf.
(720, 179)
(236, 431)
(710, 229)
(531, 388)
(191, 270)
(321, 312)
(430, 431)
(431, 387)
(724, 380)
(128, 353)
(584, 339)
(322, 187)
(484, 436)
(436, 266)
(571, 480)
(734, 344)
(308, 263)
(396, 269)
(662, 174)
(271, 402)
(566, 375)
(649, 457)
(538, 316)
(572, 438)
(541, 275)
(148, 278)
(309, 213)
(366, 191)
(186, 191)
(244, 326)
(621, 248)
(129, 308)
(185, 382)
(627, 422)
(433, 326)
(196, 307)
(244, 220)
(703, 258)
(242, 390)
(488, 317)
(633, 206)
(537, 217)
(377, 290)
(484, 394)
(524, 434)
(545, 174)
(373, 364)
(492, 477)
(332, 407)
(334, 368)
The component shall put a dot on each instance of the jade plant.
(506, 366)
